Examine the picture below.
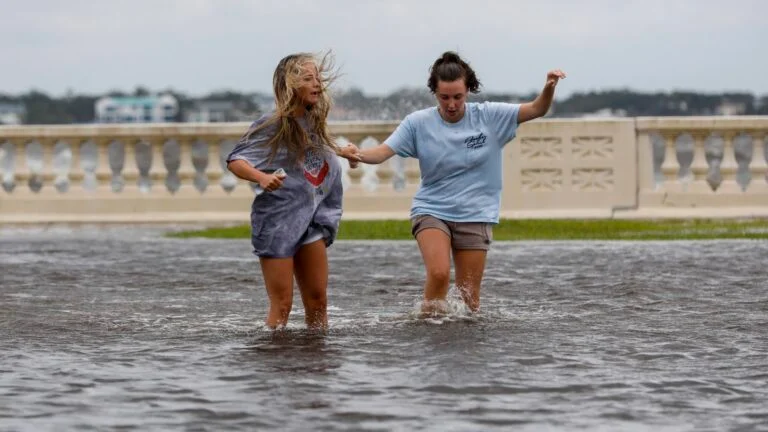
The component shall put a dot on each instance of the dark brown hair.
(450, 67)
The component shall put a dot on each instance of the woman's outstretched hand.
(350, 153)
(554, 76)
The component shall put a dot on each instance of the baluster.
(103, 169)
(670, 168)
(157, 170)
(699, 165)
(186, 168)
(130, 171)
(728, 166)
(213, 169)
(758, 166)
(17, 167)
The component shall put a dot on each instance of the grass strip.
(544, 229)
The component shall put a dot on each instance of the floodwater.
(118, 328)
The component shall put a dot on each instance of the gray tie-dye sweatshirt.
(307, 206)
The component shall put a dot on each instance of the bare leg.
(278, 278)
(311, 269)
(435, 246)
(470, 265)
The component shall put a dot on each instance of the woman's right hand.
(271, 182)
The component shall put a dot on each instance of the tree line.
(355, 104)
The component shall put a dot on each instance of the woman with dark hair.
(458, 145)
(292, 159)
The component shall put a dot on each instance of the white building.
(731, 108)
(141, 109)
(11, 113)
(207, 111)
(210, 112)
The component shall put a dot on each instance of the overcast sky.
(198, 46)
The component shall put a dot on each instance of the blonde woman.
(295, 215)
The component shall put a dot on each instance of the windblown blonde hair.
(285, 82)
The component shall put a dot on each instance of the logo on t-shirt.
(475, 142)
(315, 167)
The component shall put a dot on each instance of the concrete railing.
(701, 166)
(644, 167)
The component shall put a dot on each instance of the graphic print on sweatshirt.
(315, 167)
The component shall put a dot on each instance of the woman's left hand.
(554, 76)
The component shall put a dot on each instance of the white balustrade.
(728, 169)
(689, 167)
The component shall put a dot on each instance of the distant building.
(141, 109)
(12, 113)
(207, 111)
(731, 108)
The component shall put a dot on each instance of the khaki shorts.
(463, 235)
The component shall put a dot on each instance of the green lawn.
(547, 229)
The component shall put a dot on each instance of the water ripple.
(121, 329)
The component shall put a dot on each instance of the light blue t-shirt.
(460, 162)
